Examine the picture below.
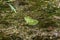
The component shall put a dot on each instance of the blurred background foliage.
(47, 12)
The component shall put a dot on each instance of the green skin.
(30, 21)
